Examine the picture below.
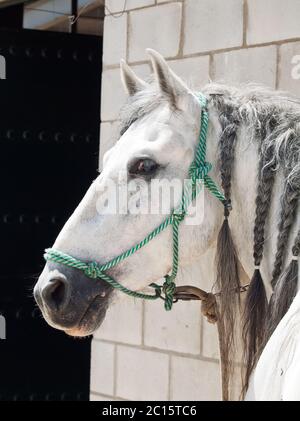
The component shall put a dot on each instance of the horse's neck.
(243, 194)
(244, 186)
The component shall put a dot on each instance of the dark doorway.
(49, 131)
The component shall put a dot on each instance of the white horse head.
(159, 138)
(161, 124)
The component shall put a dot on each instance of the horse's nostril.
(55, 294)
(58, 293)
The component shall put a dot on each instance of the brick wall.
(142, 352)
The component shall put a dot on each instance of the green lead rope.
(198, 172)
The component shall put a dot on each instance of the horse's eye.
(145, 166)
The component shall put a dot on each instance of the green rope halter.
(198, 172)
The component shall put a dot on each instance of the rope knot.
(178, 217)
(227, 207)
(169, 288)
(199, 172)
(209, 308)
(92, 270)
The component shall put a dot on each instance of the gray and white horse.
(253, 144)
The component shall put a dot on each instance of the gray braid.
(289, 203)
(284, 292)
(263, 199)
(227, 145)
(256, 303)
(227, 278)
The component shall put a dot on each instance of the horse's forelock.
(139, 105)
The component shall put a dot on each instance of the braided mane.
(273, 119)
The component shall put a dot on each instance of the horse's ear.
(131, 82)
(168, 82)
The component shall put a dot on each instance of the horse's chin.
(78, 332)
(88, 324)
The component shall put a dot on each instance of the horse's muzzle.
(70, 301)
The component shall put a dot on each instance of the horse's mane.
(272, 119)
(273, 116)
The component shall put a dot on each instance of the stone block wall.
(142, 352)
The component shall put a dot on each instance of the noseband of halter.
(198, 172)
